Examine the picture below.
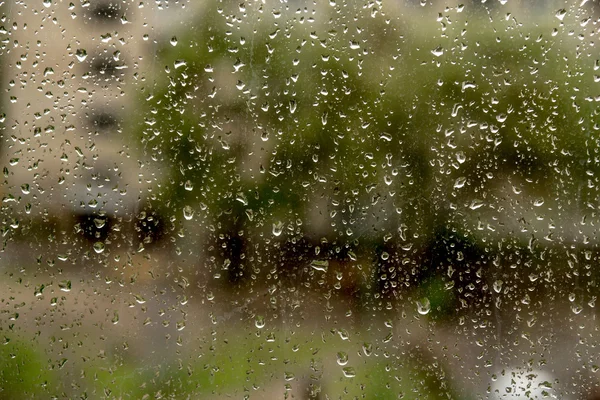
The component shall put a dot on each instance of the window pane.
(295, 199)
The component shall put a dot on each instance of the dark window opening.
(105, 66)
(94, 227)
(107, 11)
(150, 227)
(103, 121)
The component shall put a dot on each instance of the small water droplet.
(342, 358)
(38, 291)
(188, 213)
(475, 204)
(320, 265)
(99, 247)
(139, 299)
(81, 54)
(367, 349)
(498, 286)
(423, 306)
(65, 285)
(438, 51)
(560, 14)
(259, 322)
(238, 65)
(468, 85)
(344, 335)
(289, 376)
(277, 228)
(241, 197)
(349, 372)
(173, 41)
(460, 182)
(385, 136)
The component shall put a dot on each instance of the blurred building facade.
(75, 74)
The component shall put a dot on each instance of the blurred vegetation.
(241, 366)
(359, 133)
(24, 371)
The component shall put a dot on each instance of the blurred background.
(293, 199)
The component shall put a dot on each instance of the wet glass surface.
(293, 199)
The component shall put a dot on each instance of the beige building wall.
(75, 73)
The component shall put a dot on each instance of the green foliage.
(502, 97)
(24, 371)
